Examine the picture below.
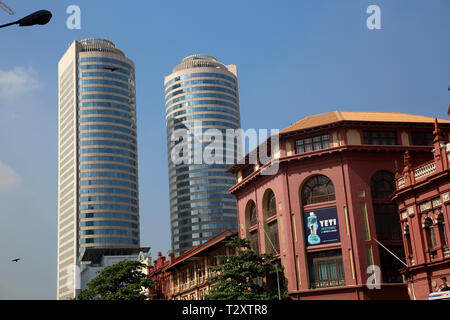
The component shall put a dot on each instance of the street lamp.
(39, 17)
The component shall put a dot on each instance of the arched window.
(387, 224)
(441, 229)
(251, 219)
(382, 185)
(271, 205)
(271, 228)
(429, 232)
(408, 239)
(250, 215)
(318, 189)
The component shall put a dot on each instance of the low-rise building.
(94, 260)
(187, 276)
(423, 199)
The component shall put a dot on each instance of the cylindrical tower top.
(200, 57)
(199, 61)
(99, 45)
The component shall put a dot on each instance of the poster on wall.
(321, 226)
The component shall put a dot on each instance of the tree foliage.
(121, 281)
(240, 276)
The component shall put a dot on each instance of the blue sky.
(294, 59)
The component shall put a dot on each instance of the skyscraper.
(97, 158)
(201, 94)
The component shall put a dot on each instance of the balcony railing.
(419, 173)
(425, 170)
(446, 252)
(327, 283)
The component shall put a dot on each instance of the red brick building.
(186, 277)
(423, 198)
(157, 272)
(330, 202)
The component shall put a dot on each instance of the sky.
(294, 58)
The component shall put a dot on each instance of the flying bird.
(15, 260)
(112, 69)
(6, 8)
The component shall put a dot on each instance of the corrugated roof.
(339, 116)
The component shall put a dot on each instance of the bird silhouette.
(6, 8)
(112, 69)
(15, 260)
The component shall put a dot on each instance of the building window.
(318, 189)
(387, 222)
(191, 276)
(254, 241)
(251, 219)
(422, 138)
(430, 234)
(251, 215)
(380, 138)
(326, 269)
(441, 229)
(273, 245)
(390, 266)
(408, 240)
(248, 171)
(270, 224)
(312, 144)
(365, 221)
(270, 205)
(382, 185)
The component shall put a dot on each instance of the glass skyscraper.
(97, 159)
(201, 94)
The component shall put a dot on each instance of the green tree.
(239, 276)
(121, 281)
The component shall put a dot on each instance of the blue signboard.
(321, 226)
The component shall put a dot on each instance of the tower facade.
(97, 156)
(201, 96)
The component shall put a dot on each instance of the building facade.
(201, 95)
(186, 277)
(97, 155)
(327, 209)
(95, 260)
(423, 199)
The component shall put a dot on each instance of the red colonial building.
(328, 206)
(423, 199)
(187, 276)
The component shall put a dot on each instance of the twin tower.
(98, 194)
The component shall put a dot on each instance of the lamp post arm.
(9, 24)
